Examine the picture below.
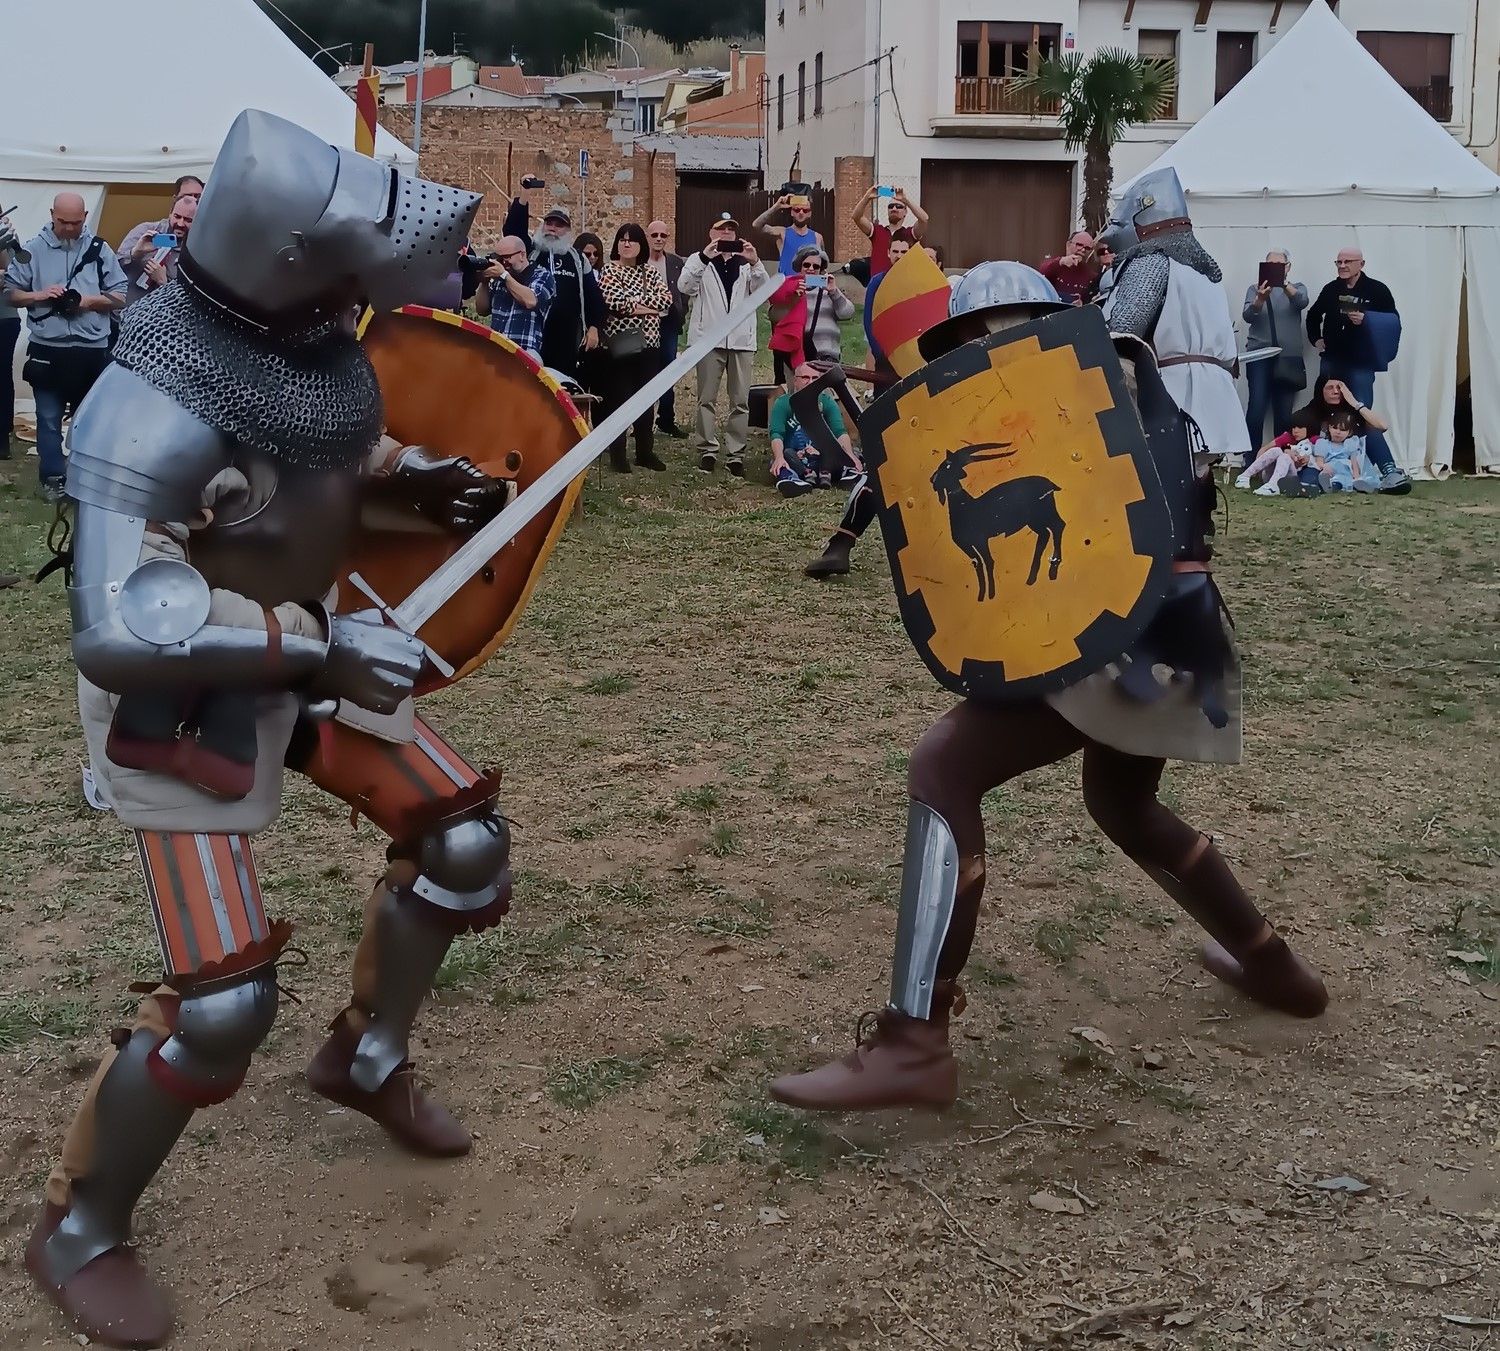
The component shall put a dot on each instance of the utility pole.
(879, 76)
(416, 130)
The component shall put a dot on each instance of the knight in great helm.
(1035, 436)
(220, 469)
(1167, 292)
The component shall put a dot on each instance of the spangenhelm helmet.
(989, 297)
(289, 225)
(1154, 204)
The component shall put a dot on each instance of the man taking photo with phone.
(897, 204)
(516, 294)
(717, 279)
(149, 253)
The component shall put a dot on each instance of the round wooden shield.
(458, 388)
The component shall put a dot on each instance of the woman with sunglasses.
(805, 315)
(636, 298)
(591, 363)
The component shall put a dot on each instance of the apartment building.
(945, 118)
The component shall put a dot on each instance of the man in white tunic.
(1167, 291)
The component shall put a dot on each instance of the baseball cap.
(559, 213)
(725, 219)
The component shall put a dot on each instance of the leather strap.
(1196, 360)
(273, 642)
(1161, 227)
(1190, 565)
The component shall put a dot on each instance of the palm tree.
(1098, 97)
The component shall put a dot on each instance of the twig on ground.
(35, 1061)
(969, 1234)
(913, 1320)
(246, 1290)
(1171, 978)
(1120, 1313)
(1427, 830)
(1024, 1126)
(1092, 1205)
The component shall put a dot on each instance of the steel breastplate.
(284, 537)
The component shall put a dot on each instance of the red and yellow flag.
(912, 298)
(366, 107)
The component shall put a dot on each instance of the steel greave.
(136, 1124)
(929, 890)
(409, 950)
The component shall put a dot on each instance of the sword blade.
(437, 590)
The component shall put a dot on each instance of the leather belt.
(1233, 367)
(1190, 565)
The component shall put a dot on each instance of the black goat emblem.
(1018, 504)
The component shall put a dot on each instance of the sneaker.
(1337, 488)
(1243, 481)
(1395, 483)
(737, 468)
(671, 429)
(51, 490)
(1314, 489)
(793, 487)
(1266, 490)
(708, 461)
(825, 480)
(1364, 486)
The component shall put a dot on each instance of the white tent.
(163, 84)
(158, 88)
(1318, 148)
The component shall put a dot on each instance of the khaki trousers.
(712, 371)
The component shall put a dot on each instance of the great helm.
(289, 225)
(1154, 204)
(989, 297)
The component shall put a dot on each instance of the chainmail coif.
(308, 399)
(1141, 277)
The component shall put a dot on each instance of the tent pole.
(416, 132)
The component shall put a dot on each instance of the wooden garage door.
(983, 209)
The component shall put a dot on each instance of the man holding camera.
(516, 295)
(149, 253)
(577, 315)
(70, 286)
(721, 276)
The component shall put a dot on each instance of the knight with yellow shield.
(1048, 514)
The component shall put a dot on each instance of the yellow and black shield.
(1029, 538)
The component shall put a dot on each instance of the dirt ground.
(704, 755)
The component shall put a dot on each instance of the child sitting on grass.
(1280, 457)
(1343, 449)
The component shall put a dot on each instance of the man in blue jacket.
(1354, 347)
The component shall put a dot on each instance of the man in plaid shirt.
(516, 295)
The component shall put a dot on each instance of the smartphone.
(731, 246)
(532, 181)
(1273, 274)
(816, 281)
(163, 241)
(1348, 302)
(885, 191)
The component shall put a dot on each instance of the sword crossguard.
(394, 620)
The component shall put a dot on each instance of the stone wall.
(853, 176)
(489, 149)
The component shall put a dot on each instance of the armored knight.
(1166, 291)
(1172, 693)
(220, 468)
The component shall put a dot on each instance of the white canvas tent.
(1362, 164)
(160, 85)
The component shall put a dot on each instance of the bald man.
(663, 261)
(70, 288)
(516, 295)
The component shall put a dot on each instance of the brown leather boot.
(834, 560)
(1271, 974)
(901, 1062)
(399, 1105)
(112, 1300)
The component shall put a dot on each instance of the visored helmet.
(1153, 204)
(288, 223)
(989, 297)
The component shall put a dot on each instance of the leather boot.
(618, 460)
(112, 1300)
(1271, 974)
(408, 1115)
(834, 560)
(900, 1061)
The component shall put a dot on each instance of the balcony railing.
(1000, 95)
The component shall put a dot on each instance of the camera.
(67, 305)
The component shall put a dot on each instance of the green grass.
(770, 1132)
(23, 1019)
(582, 1084)
(610, 684)
(703, 799)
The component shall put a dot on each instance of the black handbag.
(628, 342)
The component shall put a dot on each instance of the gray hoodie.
(56, 262)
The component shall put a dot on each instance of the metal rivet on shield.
(1077, 456)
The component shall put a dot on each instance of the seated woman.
(1330, 396)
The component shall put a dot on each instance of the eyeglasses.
(812, 267)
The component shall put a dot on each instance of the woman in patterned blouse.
(635, 297)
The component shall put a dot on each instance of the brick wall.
(853, 176)
(489, 149)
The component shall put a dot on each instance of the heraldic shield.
(1029, 538)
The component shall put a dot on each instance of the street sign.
(583, 164)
